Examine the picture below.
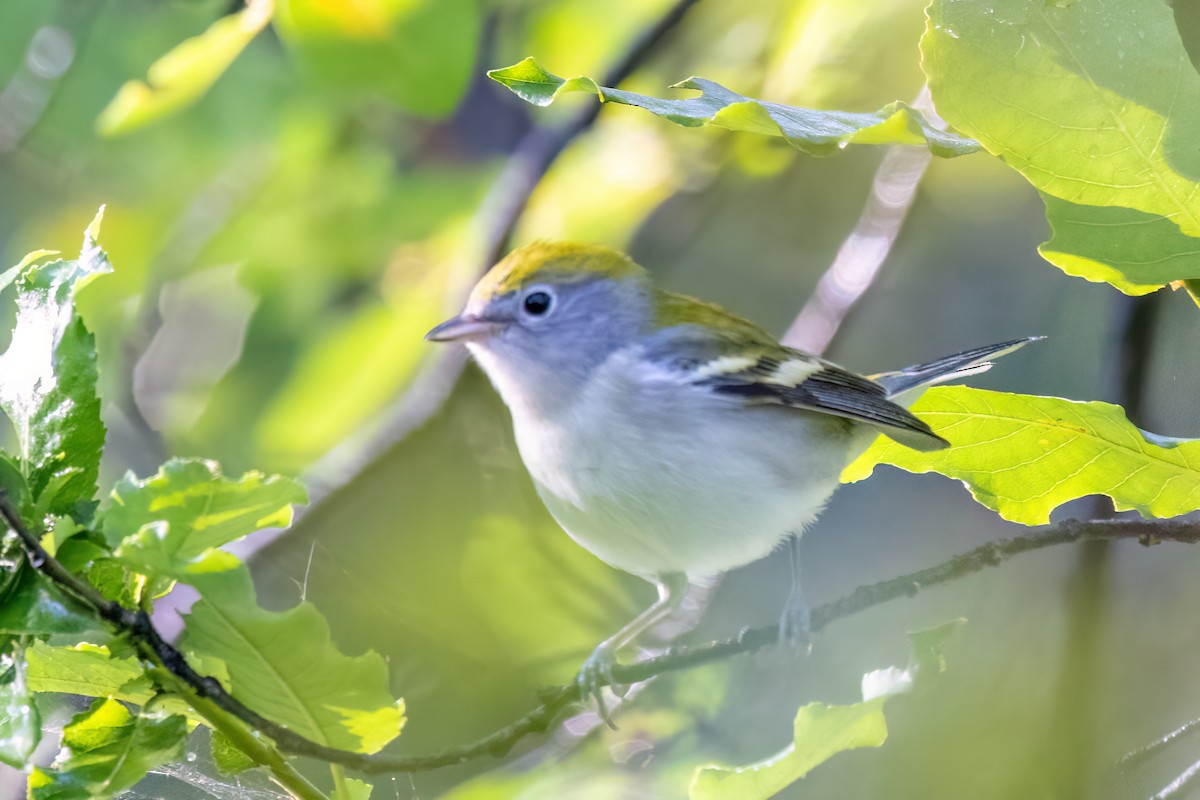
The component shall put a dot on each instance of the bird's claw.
(594, 675)
(795, 627)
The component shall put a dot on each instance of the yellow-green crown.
(555, 263)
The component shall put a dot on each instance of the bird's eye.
(537, 303)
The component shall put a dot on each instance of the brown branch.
(139, 629)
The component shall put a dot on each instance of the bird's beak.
(464, 327)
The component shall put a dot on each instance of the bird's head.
(551, 312)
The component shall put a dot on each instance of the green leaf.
(107, 750)
(164, 522)
(418, 53)
(925, 662)
(821, 732)
(12, 482)
(35, 606)
(49, 386)
(1022, 455)
(814, 132)
(358, 790)
(20, 725)
(1136, 252)
(285, 666)
(1192, 287)
(228, 757)
(1095, 104)
(182, 76)
(86, 669)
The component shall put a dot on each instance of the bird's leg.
(795, 629)
(596, 672)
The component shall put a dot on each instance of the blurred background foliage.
(283, 240)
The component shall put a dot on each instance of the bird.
(671, 438)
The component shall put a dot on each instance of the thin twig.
(1139, 755)
(863, 252)
(137, 626)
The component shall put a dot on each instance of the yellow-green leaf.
(88, 670)
(820, 732)
(814, 132)
(188, 507)
(1023, 456)
(285, 666)
(184, 74)
(107, 750)
(1096, 104)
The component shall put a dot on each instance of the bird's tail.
(969, 362)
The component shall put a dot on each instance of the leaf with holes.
(284, 665)
(1023, 456)
(814, 132)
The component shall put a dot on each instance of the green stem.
(341, 791)
(259, 749)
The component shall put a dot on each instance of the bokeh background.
(282, 244)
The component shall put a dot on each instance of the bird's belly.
(673, 496)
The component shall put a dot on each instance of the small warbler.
(669, 437)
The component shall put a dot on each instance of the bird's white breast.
(653, 475)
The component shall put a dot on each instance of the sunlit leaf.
(821, 731)
(284, 665)
(1095, 103)
(107, 750)
(358, 790)
(925, 662)
(1136, 252)
(164, 521)
(86, 669)
(1022, 456)
(20, 724)
(183, 75)
(814, 132)
(49, 385)
(418, 53)
(227, 756)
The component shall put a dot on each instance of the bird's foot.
(594, 675)
(795, 627)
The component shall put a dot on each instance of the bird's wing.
(718, 352)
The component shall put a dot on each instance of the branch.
(858, 260)
(138, 628)
(495, 221)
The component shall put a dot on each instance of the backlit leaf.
(1096, 104)
(49, 386)
(814, 132)
(107, 750)
(285, 666)
(163, 522)
(1023, 456)
(183, 75)
(820, 732)
(86, 669)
